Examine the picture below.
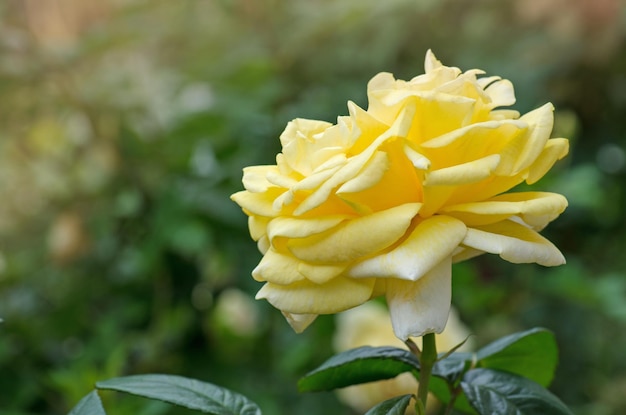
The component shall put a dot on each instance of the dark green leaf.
(532, 354)
(189, 393)
(89, 405)
(452, 366)
(496, 392)
(393, 406)
(365, 364)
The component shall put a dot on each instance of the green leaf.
(393, 406)
(452, 367)
(189, 393)
(496, 392)
(89, 405)
(364, 364)
(532, 354)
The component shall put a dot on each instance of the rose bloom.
(385, 200)
(368, 325)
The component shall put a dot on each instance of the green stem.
(427, 360)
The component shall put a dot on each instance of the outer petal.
(255, 178)
(421, 307)
(277, 268)
(358, 237)
(258, 203)
(301, 228)
(299, 322)
(431, 242)
(305, 297)
(536, 208)
(554, 150)
(540, 122)
(515, 243)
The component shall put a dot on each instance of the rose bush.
(386, 199)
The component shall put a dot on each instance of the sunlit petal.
(514, 243)
(306, 297)
(430, 242)
(357, 237)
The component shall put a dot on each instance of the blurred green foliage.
(124, 125)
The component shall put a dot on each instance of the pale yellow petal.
(261, 204)
(514, 242)
(430, 242)
(300, 228)
(305, 297)
(540, 122)
(418, 160)
(555, 149)
(255, 178)
(535, 208)
(421, 307)
(465, 173)
(299, 322)
(366, 128)
(280, 180)
(277, 268)
(257, 226)
(477, 141)
(316, 179)
(439, 114)
(320, 274)
(369, 176)
(501, 93)
(431, 62)
(356, 238)
(263, 244)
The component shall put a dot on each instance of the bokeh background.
(124, 126)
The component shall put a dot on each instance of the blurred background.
(124, 126)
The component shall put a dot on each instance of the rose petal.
(255, 178)
(421, 307)
(257, 226)
(540, 122)
(514, 243)
(555, 149)
(358, 237)
(501, 93)
(320, 274)
(536, 209)
(277, 268)
(465, 173)
(430, 242)
(476, 141)
(369, 176)
(299, 322)
(305, 297)
(261, 204)
(288, 227)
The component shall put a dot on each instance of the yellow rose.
(386, 199)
